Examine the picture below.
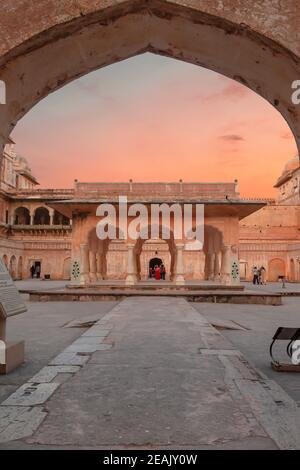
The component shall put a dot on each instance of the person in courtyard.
(262, 276)
(38, 271)
(157, 272)
(150, 273)
(162, 272)
(32, 271)
(255, 273)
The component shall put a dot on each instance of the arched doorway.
(104, 259)
(155, 251)
(13, 267)
(5, 260)
(153, 263)
(276, 269)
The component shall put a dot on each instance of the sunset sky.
(150, 118)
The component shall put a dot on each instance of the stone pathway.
(150, 373)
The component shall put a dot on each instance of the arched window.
(22, 216)
(41, 216)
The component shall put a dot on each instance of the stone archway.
(246, 43)
(13, 267)
(276, 269)
(152, 248)
(154, 253)
(155, 262)
(5, 260)
(97, 262)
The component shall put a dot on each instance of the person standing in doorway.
(32, 271)
(162, 272)
(38, 271)
(255, 273)
(157, 272)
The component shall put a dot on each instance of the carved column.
(100, 256)
(131, 277)
(179, 266)
(217, 267)
(93, 266)
(51, 213)
(84, 264)
(31, 217)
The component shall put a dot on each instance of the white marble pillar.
(179, 266)
(93, 266)
(131, 277)
(84, 264)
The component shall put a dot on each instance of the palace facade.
(55, 229)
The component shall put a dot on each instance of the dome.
(291, 165)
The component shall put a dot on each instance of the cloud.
(233, 91)
(232, 137)
(287, 135)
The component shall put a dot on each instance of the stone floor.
(151, 373)
(42, 328)
(260, 323)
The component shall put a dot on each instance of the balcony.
(36, 229)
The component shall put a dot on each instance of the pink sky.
(156, 119)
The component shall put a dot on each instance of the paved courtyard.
(151, 373)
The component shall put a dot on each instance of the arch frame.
(272, 275)
(25, 213)
(104, 36)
